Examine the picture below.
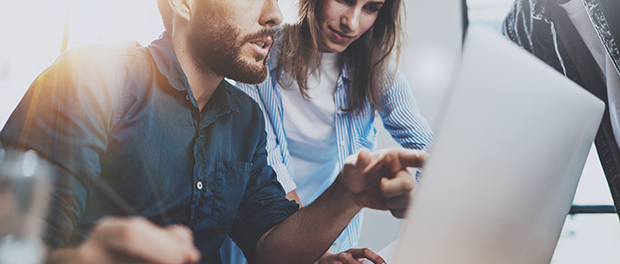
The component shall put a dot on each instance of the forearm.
(402, 118)
(377, 181)
(306, 235)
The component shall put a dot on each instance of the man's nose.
(271, 14)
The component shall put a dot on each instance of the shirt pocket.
(230, 181)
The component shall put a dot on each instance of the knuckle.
(343, 256)
(138, 221)
(408, 183)
(184, 234)
(132, 221)
(179, 229)
(399, 213)
(126, 234)
(103, 224)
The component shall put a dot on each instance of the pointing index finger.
(408, 158)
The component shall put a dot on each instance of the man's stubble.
(218, 48)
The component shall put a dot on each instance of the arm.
(378, 182)
(401, 117)
(348, 256)
(131, 240)
(65, 116)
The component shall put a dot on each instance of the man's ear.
(181, 8)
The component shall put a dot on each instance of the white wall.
(31, 35)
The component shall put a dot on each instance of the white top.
(310, 128)
(577, 13)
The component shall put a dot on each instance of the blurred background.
(31, 37)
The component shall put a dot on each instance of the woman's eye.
(373, 9)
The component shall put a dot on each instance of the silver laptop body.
(511, 143)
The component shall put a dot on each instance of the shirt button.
(199, 185)
(187, 97)
(339, 112)
(342, 143)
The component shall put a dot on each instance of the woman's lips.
(340, 37)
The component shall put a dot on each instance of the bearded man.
(184, 148)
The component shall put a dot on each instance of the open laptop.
(511, 144)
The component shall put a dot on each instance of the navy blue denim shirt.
(127, 114)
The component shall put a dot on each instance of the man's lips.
(261, 45)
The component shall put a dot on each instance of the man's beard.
(218, 48)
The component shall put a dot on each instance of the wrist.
(345, 198)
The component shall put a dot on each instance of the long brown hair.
(368, 57)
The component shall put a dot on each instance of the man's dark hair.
(166, 14)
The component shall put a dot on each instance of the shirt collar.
(539, 10)
(346, 74)
(272, 61)
(167, 62)
(223, 99)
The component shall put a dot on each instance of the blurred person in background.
(579, 38)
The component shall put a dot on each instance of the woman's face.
(344, 21)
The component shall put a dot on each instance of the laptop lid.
(511, 143)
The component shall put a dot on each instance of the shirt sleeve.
(264, 204)
(64, 117)
(401, 117)
(273, 147)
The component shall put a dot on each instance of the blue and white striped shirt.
(399, 113)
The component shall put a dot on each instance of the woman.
(329, 74)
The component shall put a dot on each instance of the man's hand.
(351, 256)
(132, 240)
(381, 180)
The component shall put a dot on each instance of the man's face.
(233, 37)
